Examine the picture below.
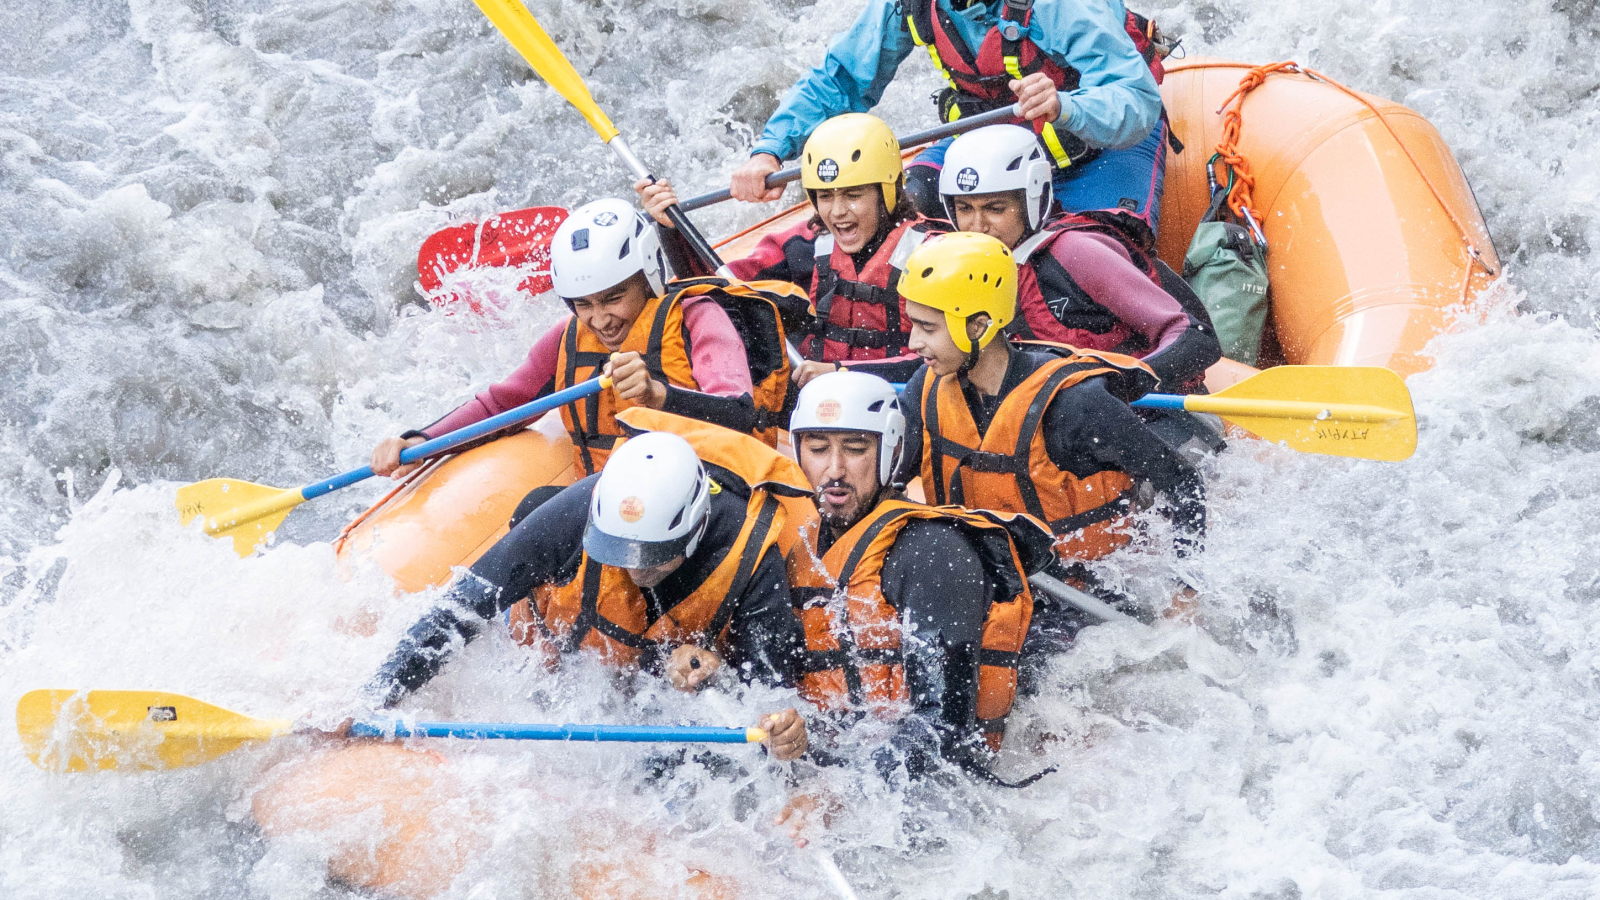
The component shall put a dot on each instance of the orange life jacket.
(853, 633)
(755, 308)
(1008, 469)
(601, 610)
(658, 335)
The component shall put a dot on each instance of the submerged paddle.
(78, 731)
(505, 240)
(249, 512)
(525, 34)
(1358, 411)
(1204, 654)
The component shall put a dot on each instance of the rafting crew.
(665, 345)
(659, 564)
(1030, 428)
(1082, 280)
(1085, 76)
(848, 256)
(912, 614)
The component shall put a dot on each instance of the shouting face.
(852, 214)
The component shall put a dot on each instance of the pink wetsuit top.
(717, 359)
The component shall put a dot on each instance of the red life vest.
(861, 315)
(1054, 308)
(980, 80)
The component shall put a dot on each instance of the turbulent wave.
(210, 215)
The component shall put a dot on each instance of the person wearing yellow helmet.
(849, 255)
(1034, 428)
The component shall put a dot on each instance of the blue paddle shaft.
(1159, 401)
(479, 731)
(443, 443)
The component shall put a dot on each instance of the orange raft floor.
(1375, 241)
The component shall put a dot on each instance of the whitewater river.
(209, 215)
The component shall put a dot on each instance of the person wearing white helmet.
(679, 352)
(659, 563)
(911, 612)
(1083, 280)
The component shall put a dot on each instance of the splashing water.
(211, 215)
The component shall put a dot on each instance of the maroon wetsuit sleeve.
(779, 256)
(1181, 347)
(1107, 274)
(533, 379)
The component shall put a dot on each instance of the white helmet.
(853, 401)
(650, 503)
(995, 159)
(601, 245)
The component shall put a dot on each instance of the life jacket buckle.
(1010, 30)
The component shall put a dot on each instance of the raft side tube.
(1365, 264)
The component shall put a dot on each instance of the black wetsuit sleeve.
(534, 552)
(1182, 364)
(737, 413)
(911, 406)
(1087, 430)
(935, 578)
(765, 638)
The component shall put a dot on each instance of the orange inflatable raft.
(1374, 238)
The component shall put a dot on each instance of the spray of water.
(209, 217)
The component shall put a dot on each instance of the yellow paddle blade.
(523, 31)
(1359, 411)
(81, 731)
(247, 512)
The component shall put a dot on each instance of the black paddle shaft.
(939, 133)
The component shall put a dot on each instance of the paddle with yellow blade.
(83, 731)
(1359, 411)
(249, 512)
(525, 34)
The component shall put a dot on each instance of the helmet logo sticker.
(631, 509)
(967, 179)
(827, 170)
(605, 219)
(829, 411)
(580, 239)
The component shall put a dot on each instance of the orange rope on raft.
(1239, 198)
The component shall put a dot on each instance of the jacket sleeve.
(765, 638)
(935, 578)
(911, 407)
(717, 355)
(534, 552)
(852, 77)
(1088, 429)
(533, 379)
(779, 256)
(1116, 103)
(1182, 347)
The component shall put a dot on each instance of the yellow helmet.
(850, 150)
(963, 274)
